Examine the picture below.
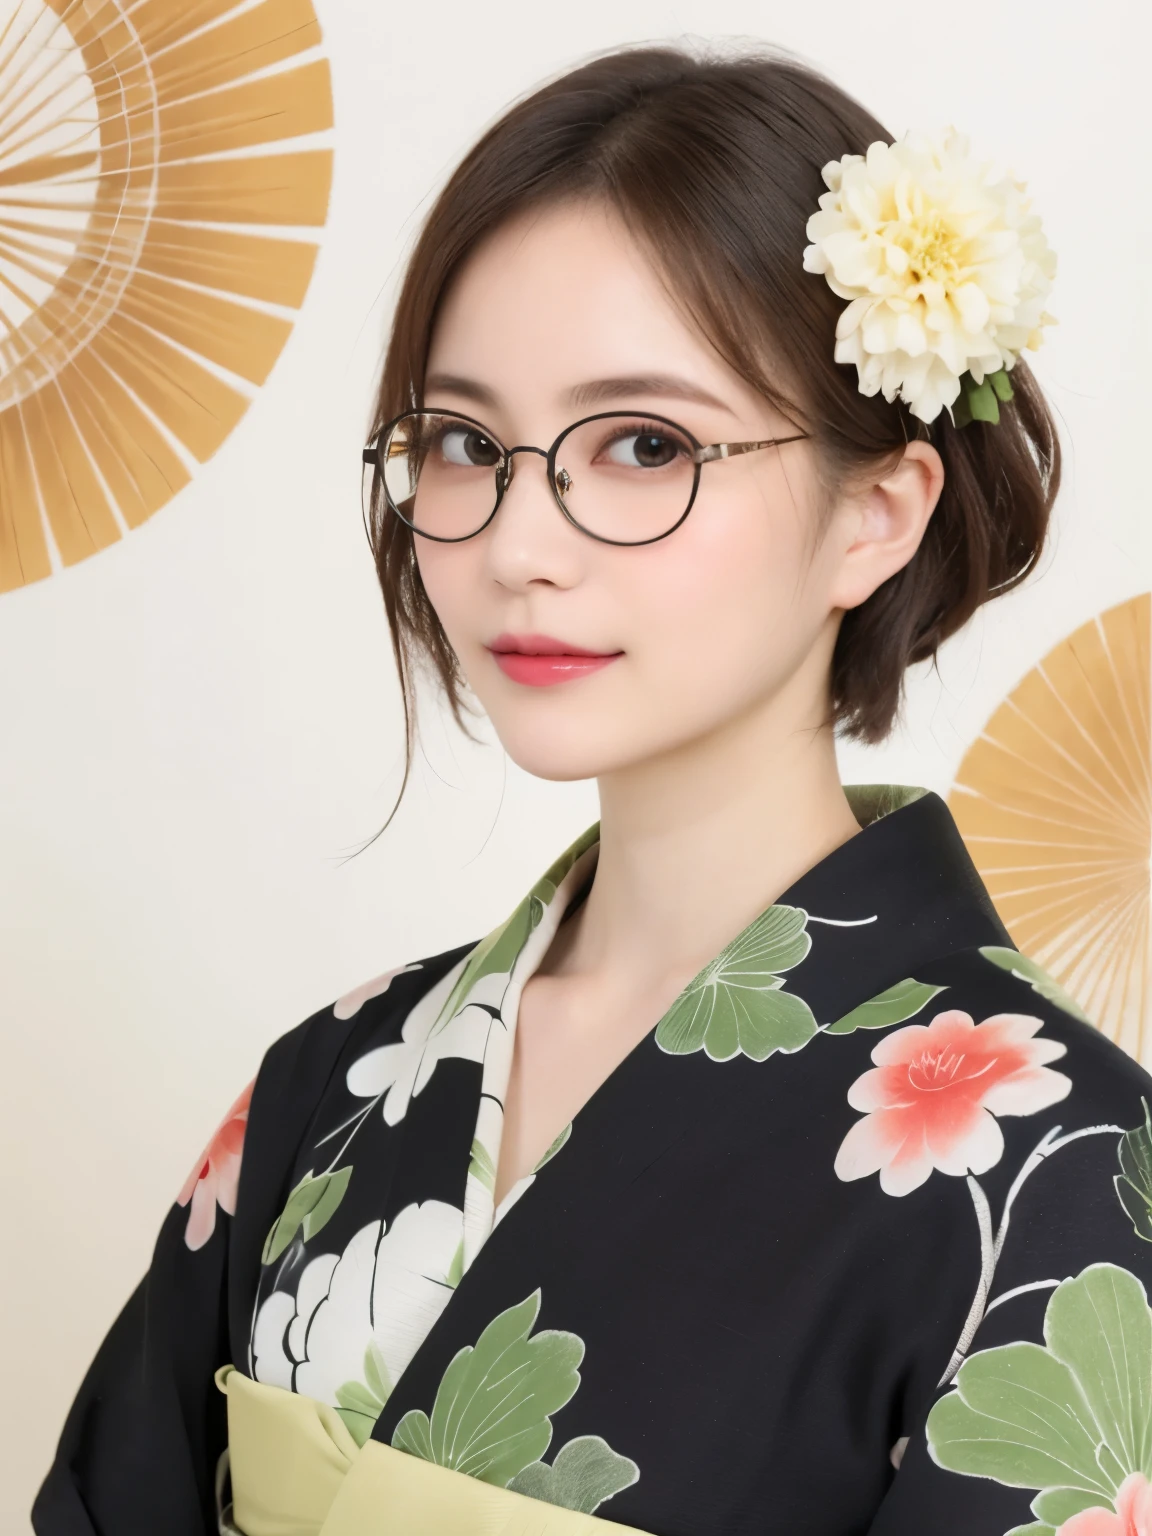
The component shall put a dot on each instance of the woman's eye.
(469, 448)
(644, 450)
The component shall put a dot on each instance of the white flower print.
(397, 1072)
(376, 1301)
(352, 1002)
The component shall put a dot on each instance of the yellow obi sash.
(297, 1471)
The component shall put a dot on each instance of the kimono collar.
(851, 931)
(907, 885)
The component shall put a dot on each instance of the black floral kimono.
(856, 1240)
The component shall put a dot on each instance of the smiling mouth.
(538, 661)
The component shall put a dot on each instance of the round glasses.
(620, 476)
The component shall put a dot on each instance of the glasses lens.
(626, 478)
(440, 474)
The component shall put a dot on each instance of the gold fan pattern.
(1053, 801)
(156, 157)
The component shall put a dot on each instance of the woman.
(746, 1180)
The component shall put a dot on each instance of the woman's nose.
(508, 470)
(529, 539)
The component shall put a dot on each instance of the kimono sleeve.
(141, 1448)
(1041, 1424)
(141, 1445)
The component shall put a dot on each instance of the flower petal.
(352, 1002)
(202, 1216)
(923, 222)
(1028, 1092)
(270, 1360)
(972, 1143)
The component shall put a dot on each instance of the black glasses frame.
(503, 470)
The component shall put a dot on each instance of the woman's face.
(559, 315)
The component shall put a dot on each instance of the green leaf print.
(736, 1003)
(497, 953)
(584, 1473)
(493, 956)
(1017, 1415)
(1056, 1505)
(491, 1414)
(360, 1402)
(1134, 1181)
(456, 1268)
(554, 1148)
(481, 1167)
(325, 1208)
(1099, 1325)
(310, 1206)
(898, 1003)
(871, 802)
(1012, 961)
(1072, 1418)
(376, 1371)
(413, 1435)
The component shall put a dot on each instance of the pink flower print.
(1133, 1515)
(932, 1098)
(216, 1175)
(353, 1001)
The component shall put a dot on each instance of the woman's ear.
(882, 525)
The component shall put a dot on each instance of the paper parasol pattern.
(1053, 801)
(155, 158)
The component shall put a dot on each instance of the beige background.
(199, 723)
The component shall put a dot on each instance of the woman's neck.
(696, 843)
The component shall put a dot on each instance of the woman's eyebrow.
(456, 384)
(597, 391)
(591, 393)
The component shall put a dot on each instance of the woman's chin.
(548, 753)
(543, 761)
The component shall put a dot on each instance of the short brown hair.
(713, 162)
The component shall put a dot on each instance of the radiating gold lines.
(1055, 804)
(143, 144)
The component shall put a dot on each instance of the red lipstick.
(540, 660)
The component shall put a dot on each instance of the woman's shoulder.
(305, 1068)
(999, 985)
(302, 1061)
(998, 1068)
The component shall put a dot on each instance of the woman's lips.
(542, 671)
(539, 660)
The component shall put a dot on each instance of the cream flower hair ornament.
(945, 266)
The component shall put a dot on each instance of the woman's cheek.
(451, 584)
(698, 650)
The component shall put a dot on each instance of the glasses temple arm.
(730, 450)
